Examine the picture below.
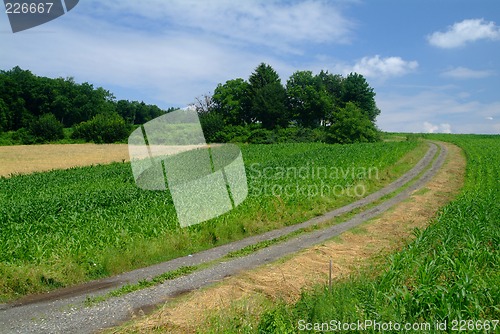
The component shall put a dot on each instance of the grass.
(449, 273)
(143, 284)
(65, 227)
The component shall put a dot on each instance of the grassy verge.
(143, 284)
(448, 274)
(92, 222)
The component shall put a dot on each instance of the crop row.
(73, 225)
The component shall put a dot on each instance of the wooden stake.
(330, 276)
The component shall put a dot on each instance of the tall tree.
(4, 122)
(203, 104)
(268, 104)
(231, 101)
(127, 110)
(332, 84)
(356, 89)
(267, 97)
(308, 100)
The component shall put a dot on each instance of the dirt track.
(66, 314)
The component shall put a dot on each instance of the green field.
(64, 227)
(449, 273)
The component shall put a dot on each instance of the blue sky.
(435, 65)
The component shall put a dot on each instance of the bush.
(235, 134)
(351, 125)
(46, 128)
(262, 136)
(103, 128)
(256, 134)
(301, 135)
(22, 136)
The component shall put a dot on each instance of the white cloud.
(466, 73)
(463, 32)
(377, 67)
(168, 68)
(432, 128)
(276, 24)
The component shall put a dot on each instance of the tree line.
(37, 109)
(325, 107)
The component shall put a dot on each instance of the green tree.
(267, 98)
(142, 113)
(308, 100)
(46, 128)
(155, 111)
(62, 101)
(4, 122)
(21, 117)
(231, 101)
(61, 108)
(268, 104)
(13, 85)
(356, 89)
(211, 123)
(127, 110)
(351, 125)
(263, 75)
(332, 84)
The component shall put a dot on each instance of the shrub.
(300, 135)
(262, 136)
(46, 128)
(351, 125)
(22, 136)
(103, 128)
(230, 133)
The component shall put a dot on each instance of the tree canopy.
(325, 101)
(41, 106)
(322, 107)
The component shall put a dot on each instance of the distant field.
(67, 226)
(24, 159)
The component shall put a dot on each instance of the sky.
(434, 65)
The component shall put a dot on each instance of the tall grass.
(449, 273)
